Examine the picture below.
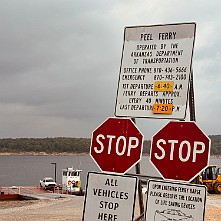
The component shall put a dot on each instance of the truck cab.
(48, 183)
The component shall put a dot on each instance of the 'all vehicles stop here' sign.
(109, 197)
(154, 73)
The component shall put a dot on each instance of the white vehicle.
(48, 183)
(71, 181)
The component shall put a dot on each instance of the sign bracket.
(191, 98)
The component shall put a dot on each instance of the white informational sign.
(109, 197)
(175, 201)
(155, 68)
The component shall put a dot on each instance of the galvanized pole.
(55, 171)
(139, 184)
(140, 189)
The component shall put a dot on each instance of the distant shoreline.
(41, 154)
(61, 154)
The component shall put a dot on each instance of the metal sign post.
(191, 98)
(140, 195)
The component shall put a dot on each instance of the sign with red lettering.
(154, 73)
(180, 150)
(116, 145)
(109, 197)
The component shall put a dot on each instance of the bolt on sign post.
(168, 200)
(154, 73)
(116, 145)
(180, 150)
(109, 197)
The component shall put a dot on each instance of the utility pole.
(55, 171)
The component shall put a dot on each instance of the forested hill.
(72, 145)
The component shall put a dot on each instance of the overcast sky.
(60, 62)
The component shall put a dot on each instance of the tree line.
(73, 145)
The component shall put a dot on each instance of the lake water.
(28, 170)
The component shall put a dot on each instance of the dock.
(30, 192)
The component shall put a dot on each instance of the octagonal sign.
(116, 145)
(180, 151)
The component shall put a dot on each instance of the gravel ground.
(62, 209)
(70, 209)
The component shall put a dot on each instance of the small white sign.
(154, 74)
(175, 201)
(109, 197)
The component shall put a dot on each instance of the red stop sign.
(180, 151)
(116, 145)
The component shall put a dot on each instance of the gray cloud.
(60, 61)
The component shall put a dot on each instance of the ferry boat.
(71, 181)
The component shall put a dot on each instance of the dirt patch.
(212, 213)
(70, 209)
(16, 203)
